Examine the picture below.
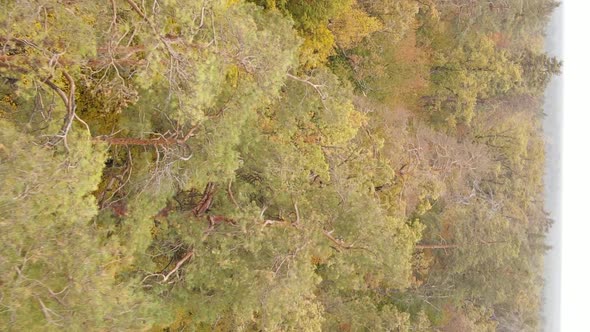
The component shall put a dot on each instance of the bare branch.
(84, 123)
(341, 244)
(205, 203)
(164, 140)
(178, 265)
(164, 40)
(59, 91)
(70, 104)
(231, 195)
(262, 211)
(49, 314)
(296, 213)
(313, 85)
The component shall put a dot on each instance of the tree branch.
(178, 265)
(205, 203)
(231, 195)
(313, 85)
(70, 104)
(160, 141)
(341, 244)
(164, 41)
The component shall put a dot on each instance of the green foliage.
(55, 274)
(464, 75)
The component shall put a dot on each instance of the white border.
(576, 169)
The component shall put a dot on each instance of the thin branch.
(153, 26)
(213, 28)
(48, 313)
(84, 123)
(135, 141)
(178, 265)
(341, 244)
(163, 140)
(262, 212)
(140, 12)
(231, 195)
(114, 21)
(296, 213)
(190, 134)
(277, 222)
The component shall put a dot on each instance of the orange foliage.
(500, 39)
(412, 62)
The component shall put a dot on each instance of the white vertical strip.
(576, 169)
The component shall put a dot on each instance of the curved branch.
(70, 104)
(231, 195)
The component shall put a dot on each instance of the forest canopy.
(272, 165)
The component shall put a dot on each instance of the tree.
(352, 26)
(54, 272)
(470, 72)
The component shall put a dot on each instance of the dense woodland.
(272, 165)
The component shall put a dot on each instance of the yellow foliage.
(233, 75)
(317, 47)
(352, 26)
(270, 4)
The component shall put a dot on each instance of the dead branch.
(70, 104)
(205, 203)
(270, 222)
(264, 208)
(341, 244)
(169, 140)
(316, 87)
(231, 195)
(281, 222)
(296, 214)
(48, 313)
(160, 141)
(163, 39)
(178, 265)
(280, 261)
